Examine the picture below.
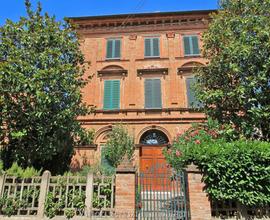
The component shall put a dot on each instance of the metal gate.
(161, 194)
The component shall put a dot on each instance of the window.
(111, 94)
(191, 45)
(151, 47)
(192, 100)
(113, 49)
(152, 89)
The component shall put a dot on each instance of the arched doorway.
(152, 144)
(161, 193)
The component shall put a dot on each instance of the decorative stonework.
(133, 37)
(112, 70)
(162, 71)
(148, 21)
(170, 35)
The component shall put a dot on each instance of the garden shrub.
(119, 144)
(237, 170)
(16, 170)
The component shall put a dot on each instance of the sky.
(13, 9)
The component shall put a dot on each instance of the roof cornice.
(140, 15)
(142, 22)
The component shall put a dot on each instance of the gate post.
(125, 188)
(199, 203)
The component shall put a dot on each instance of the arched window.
(154, 137)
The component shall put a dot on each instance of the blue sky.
(13, 9)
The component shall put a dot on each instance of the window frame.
(191, 45)
(113, 48)
(119, 100)
(152, 47)
(199, 104)
(153, 108)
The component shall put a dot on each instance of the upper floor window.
(152, 88)
(151, 47)
(113, 49)
(191, 45)
(111, 94)
(193, 102)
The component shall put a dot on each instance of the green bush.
(16, 170)
(119, 144)
(236, 170)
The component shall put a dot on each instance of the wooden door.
(151, 157)
(153, 166)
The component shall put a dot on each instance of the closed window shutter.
(107, 94)
(147, 47)
(187, 45)
(109, 49)
(191, 45)
(192, 100)
(115, 99)
(152, 93)
(111, 94)
(117, 48)
(195, 45)
(113, 48)
(156, 93)
(155, 43)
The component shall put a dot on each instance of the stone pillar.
(45, 180)
(198, 200)
(125, 191)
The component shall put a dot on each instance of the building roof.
(140, 15)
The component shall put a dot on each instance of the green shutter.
(195, 45)
(152, 93)
(117, 48)
(109, 49)
(151, 47)
(111, 94)
(156, 93)
(115, 99)
(192, 100)
(107, 94)
(191, 45)
(147, 47)
(155, 43)
(113, 48)
(187, 46)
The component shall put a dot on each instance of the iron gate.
(161, 194)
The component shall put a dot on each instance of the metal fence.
(161, 195)
(57, 195)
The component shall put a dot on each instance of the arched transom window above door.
(154, 137)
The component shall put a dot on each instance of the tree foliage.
(232, 170)
(119, 144)
(235, 86)
(41, 77)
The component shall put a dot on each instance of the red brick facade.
(172, 67)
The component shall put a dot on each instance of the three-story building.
(141, 67)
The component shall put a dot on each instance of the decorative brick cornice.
(112, 73)
(142, 22)
(184, 70)
(162, 71)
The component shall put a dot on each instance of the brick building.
(141, 68)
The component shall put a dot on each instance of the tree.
(41, 77)
(119, 144)
(235, 86)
